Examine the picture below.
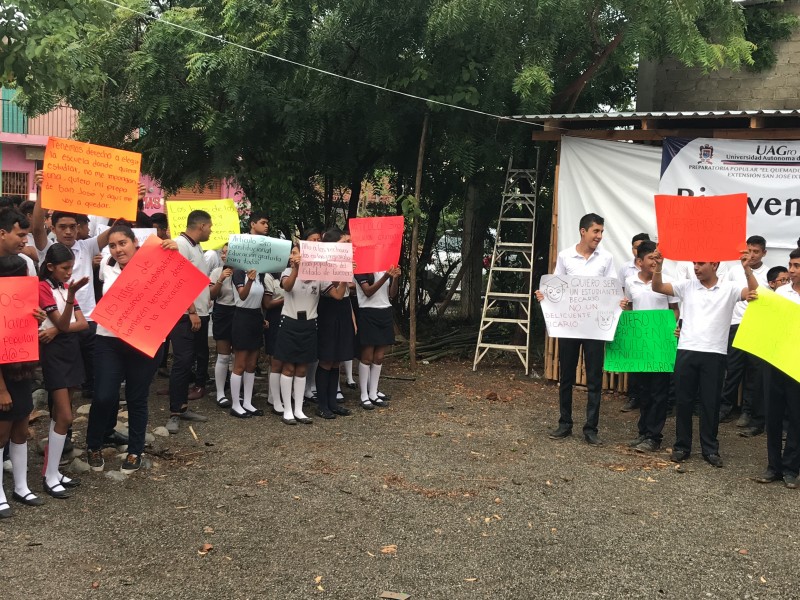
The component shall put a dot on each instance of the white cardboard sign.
(581, 307)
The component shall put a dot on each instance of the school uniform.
(62, 365)
(700, 362)
(336, 335)
(117, 361)
(653, 387)
(626, 271)
(783, 402)
(599, 264)
(21, 392)
(375, 318)
(741, 365)
(248, 318)
(297, 336)
(272, 288)
(224, 307)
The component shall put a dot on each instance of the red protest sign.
(90, 180)
(376, 243)
(147, 299)
(19, 296)
(701, 228)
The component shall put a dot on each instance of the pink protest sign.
(149, 297)
(376, 243)
(326, 261)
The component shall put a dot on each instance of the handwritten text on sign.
(149, 297)
(376, 242)
(645, 342)
(259, 252)
(581, 307)
(771, 313)
(18, 327)
(701, 228)
(90, 180)
(326, 262)
(224, 219)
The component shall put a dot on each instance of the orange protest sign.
(701, 228)
(147, 299)
(376, 242)
(18, 327)
(90, 180)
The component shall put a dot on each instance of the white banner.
(768, 171)
(581, 307)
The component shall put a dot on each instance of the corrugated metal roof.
(683, 114)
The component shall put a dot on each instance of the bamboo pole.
(412, 300)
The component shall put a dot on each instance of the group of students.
(709, 300)
(298, 322)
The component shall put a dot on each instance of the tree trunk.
(472, 247)
(329, 217)
(412, 295)
(355, 196)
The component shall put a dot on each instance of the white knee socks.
(299, 387)
(249, 380)
(236, 388)
(374, 375)
(55, 447)
(221, 373)
(348, 371)
(363, 380)
(286, 396)
(18, 453)
(275, 391)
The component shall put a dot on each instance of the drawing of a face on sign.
(605, 319)
(554, 289)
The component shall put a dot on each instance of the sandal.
(223, 402)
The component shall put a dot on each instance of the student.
(777, 276)
(160, 224)
(629, 269)
(375, 324)
(224, 296)
(186, 335)
(116, 362)
(246, 339)
(336, 338)
(14, 236)
(783, 401)
(16, 404)
(741, 365)
(296, 345)
(707, 305)
(310, 393)
(653, 387)
(273, 305)
(587, 259)
(60, 356)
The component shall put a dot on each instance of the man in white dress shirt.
(584, 258)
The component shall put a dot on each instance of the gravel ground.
(454, 491)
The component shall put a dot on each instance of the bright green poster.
(645, 342)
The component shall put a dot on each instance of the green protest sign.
(644, 343)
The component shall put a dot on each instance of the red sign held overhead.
(147, 299)
(376, 243)
(701, 228)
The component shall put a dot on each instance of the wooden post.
(551, 346)
(412, 299)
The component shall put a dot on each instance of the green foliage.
(765, 26)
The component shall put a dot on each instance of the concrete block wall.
(670, 86)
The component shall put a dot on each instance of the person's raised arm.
(244, 290)
(37, 219)
(394, 287)
(752, 282)
(287, 283)
(62, 320)
(658, 285)
(369, 290)
(337, 291)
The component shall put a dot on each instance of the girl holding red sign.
(60, 356)
(16, 403)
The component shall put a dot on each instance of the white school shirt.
(706, 314)
(380, 299)
(626, 271)
(256, 295)
(84, 252)
(787, 291)
(599, 264)
(212, 259)
(643, 296)
(192, 251)
(94, 221)
(227, 294)
(737, 276)
(304, 296)
(685, 270)
(31, 265)
(54, 296)
(273, 287)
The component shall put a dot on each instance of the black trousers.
(741, 365)
(653, 395)
(201, 353)
(86, 341)
(783, 401)
(568, 352)
(693, 371)
(183, 341)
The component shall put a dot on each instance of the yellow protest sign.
(770, 329)
(224, 219)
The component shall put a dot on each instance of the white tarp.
(618, 181)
